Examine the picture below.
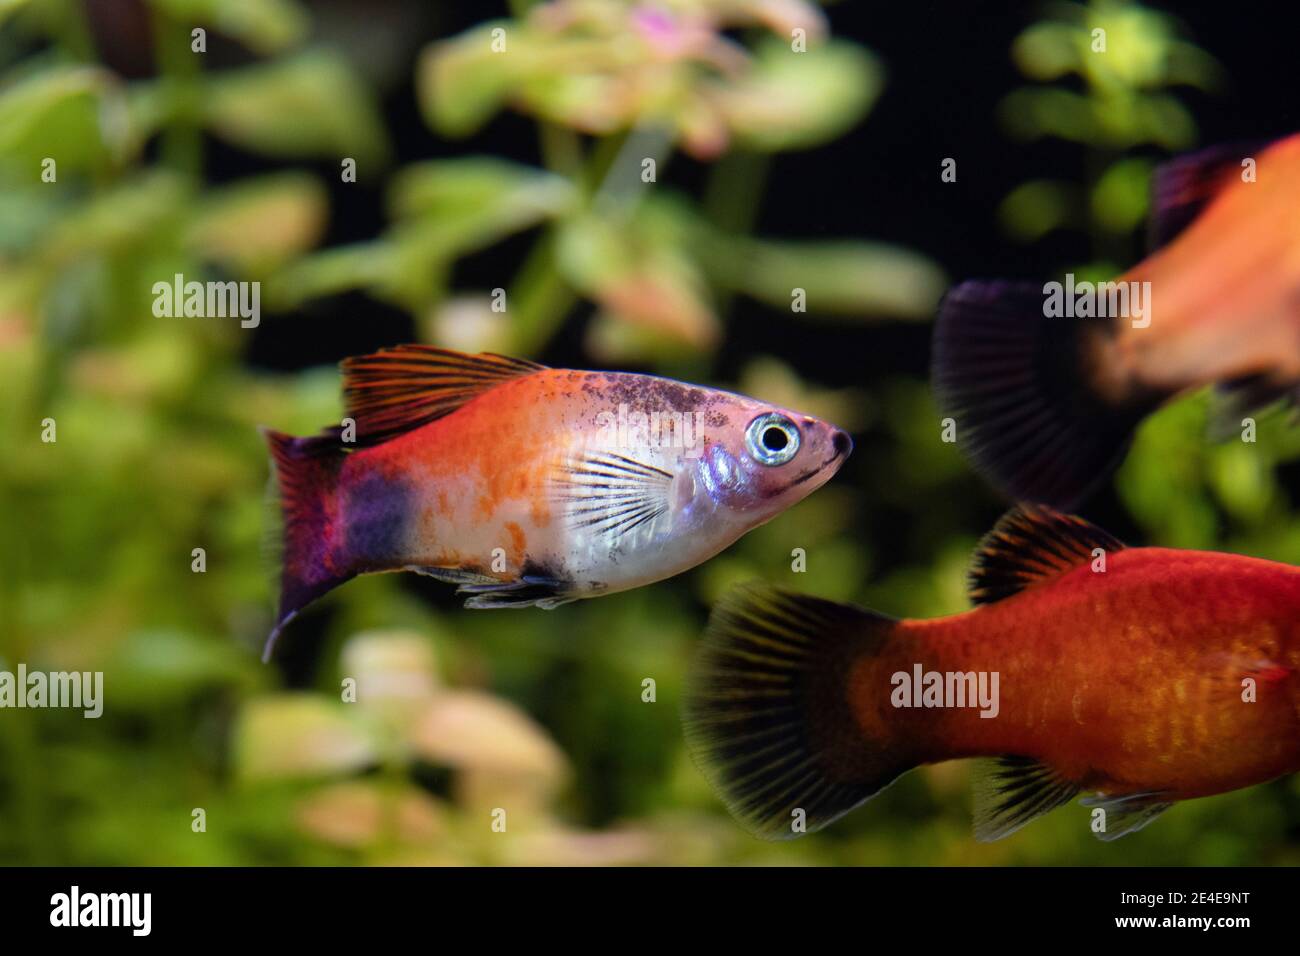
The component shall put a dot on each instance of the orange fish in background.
(1169, 675)
(1046, 404)
(527, 485)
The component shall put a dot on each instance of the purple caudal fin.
(307, 471)
(1036, 408)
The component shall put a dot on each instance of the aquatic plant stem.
(540, 297)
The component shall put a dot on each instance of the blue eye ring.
(772, 439)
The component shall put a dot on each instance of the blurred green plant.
(1185, 491)
(615, 87)
(157, 454)
(1126, 58)
(393, 712)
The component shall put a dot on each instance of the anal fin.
(1013, 791)
(530, 590)
(1126, 813)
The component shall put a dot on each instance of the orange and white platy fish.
(1047, 384)
(527, 485)
(1143, 676)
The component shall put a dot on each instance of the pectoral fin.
(611, 495)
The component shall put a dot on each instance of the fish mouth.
(841, 444)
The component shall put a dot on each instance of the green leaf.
(1163, 480)
(407, 266)
(331, 271)
(475, 185)
(638, 274)
(9, 7)
(1242, 480)
(461, 82)
(1162, 120)
(1030, 113)
(26, 215)
(153, 668)
(840, 277)
(264, 26)
(474, 201)
(1035, 208)
(797, 100)
(1046, 51)
(74, 115)
(260, 223)
(1121, 198)
(297, 735)
(119, 220)
(311, 105)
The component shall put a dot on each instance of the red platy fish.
(1166, 676)
(527, 485)
(1047, 384)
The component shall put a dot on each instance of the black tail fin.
(1028, 394)
(768, 715)
(307, 469)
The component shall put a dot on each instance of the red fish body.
(1046, 401)
(1169, 675)
(527, 485)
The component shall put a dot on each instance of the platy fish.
(1139, 676)
(1046, 384)
(527, 485)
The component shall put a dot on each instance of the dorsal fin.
(1185, 185)
(397, 390)
(1031, 544)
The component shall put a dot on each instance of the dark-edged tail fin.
(1036, 408)
(768, 715)
(307, 470)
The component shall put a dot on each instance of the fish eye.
(772, 439)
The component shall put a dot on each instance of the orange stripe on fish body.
(527, 485)
(1166, 676)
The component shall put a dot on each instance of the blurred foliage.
(1112, 65)
(638, 81)
(455, 714)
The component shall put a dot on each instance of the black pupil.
(774, 439)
